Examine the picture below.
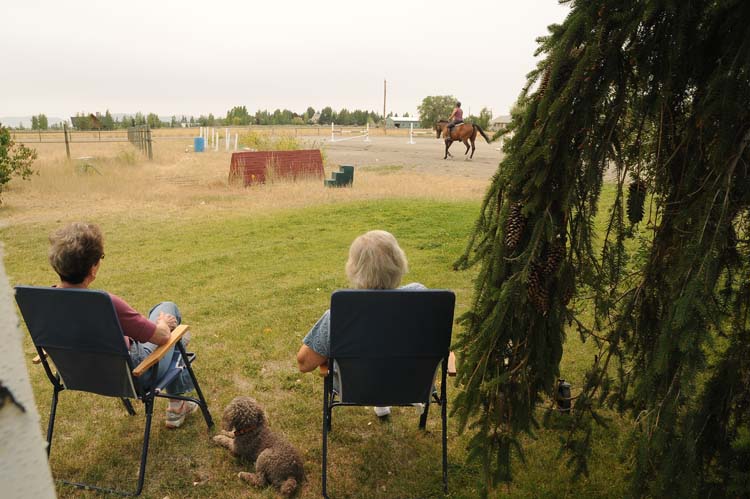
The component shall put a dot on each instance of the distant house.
(90, 122)
(315, 118)
(500, 122)
(401, 122)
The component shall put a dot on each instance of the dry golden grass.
(120, 180)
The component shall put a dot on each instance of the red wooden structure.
(255, 167)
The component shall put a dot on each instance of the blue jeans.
(139, 351)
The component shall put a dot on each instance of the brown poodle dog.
(246, 435)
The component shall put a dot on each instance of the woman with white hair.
(376, 261)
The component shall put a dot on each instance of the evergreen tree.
(107, 121)
(326, 114)
(343, 117)
(153, 120)
(659, 92)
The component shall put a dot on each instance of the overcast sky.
(200, 57)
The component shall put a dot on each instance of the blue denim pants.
(139, 351)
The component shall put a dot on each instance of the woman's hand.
(165, 323)
(170, 319)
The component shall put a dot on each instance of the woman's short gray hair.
(376, 261)
(74, 250)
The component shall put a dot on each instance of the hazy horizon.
(193, 58)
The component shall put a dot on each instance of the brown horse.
(465, 132)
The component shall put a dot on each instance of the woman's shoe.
(176, 413)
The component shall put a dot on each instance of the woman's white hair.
(376, 261)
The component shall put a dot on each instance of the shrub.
(15, 159)
(263, 142)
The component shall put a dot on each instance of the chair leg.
(203, 404)
(330, 411)
(444, 418)
(423, 417)
(128, 406)
(327, 385)
(144, 451)
(51, 423)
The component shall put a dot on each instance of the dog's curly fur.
(277, 462)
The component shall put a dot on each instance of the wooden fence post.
(65, 133)
(148, 142)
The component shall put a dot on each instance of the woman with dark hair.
(456, 117)
(76, 253)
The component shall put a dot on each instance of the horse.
(463, 132)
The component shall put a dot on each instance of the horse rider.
(456, 117)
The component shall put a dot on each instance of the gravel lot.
(425, 156)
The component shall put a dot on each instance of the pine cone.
(514, 226)
(537, 289)
(636, 200)
(555, 253)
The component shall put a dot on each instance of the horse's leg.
(466, 143)
(448, 143)
(473, 143)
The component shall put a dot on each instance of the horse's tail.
(479, 128)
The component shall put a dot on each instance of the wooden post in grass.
(148, 143)
(65, 134)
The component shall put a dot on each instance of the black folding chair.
(386, 347)
(78, 329)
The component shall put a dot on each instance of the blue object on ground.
(198, 144)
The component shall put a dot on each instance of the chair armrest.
(323, 369)
(160, 352)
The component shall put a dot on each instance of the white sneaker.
(176, 413)
(382, 412)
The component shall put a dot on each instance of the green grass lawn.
(251, 286)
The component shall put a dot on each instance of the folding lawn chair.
(78, 329)
(386, 347)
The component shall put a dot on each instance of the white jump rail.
(362, 133)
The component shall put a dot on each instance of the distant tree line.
(240, 116)
(432, 109)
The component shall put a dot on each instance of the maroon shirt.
(458, 115)
(133, 324)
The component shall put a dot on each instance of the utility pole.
(384, 122)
